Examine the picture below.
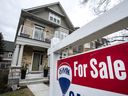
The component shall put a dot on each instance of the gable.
(42, 13)
(55, 8)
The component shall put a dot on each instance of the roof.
(9, 46)
(42, 6)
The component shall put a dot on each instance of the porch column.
(20, 55)
(15, 56)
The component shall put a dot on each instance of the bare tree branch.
(98, 6)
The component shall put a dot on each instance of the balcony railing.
(28, 32)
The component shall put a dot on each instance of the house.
(5, 63)
(72, 50)
(7, 56)
(118, 39)
(37, 26)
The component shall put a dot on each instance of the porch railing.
(28, 32)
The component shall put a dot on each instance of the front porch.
(34, 57)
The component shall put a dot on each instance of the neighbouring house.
(118, 39)
(101, 42)
(37, 26)
(5, 64)
(72, 50)
(7, 56)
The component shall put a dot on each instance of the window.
(51, 18)
(63, 35)
(54, 18)
(58, 21)
(9, 54)
(38, 33)
(57, 34)
(60, 35)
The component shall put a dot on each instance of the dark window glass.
(51, 18)
(58, 21)
(54, 19)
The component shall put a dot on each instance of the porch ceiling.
(36, 48)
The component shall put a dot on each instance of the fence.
(114, 20)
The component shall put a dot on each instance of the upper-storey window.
(9, 54)
(54, 18)
(60, 35)
(38, 33)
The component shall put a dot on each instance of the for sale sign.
(98, 73)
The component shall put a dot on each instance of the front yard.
(20, 92)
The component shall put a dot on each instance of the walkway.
(39, 89)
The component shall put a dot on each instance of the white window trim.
(54, 16)
(10, 53)
(60, 35)
(34, 31)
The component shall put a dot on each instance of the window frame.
(55, 17)
(10, 54)
(34, 31)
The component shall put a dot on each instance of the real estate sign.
(102, 72)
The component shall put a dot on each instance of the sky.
(10, 10)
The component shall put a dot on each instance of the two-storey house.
(37, 26)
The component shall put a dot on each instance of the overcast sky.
(10, 11)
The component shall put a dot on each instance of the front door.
(37, 61)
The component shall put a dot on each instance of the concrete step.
(34, 75)
(35, 72)
(26, 82)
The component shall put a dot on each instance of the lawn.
(20, 92)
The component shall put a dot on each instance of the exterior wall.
(63, 23)
(56, 8)
(27, 56)
(60, 29)
(44, 14)
(6, 62)
(45, 60)
(29, 29)
(49, 32)
(7, 56)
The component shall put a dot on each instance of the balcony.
(32, 33)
